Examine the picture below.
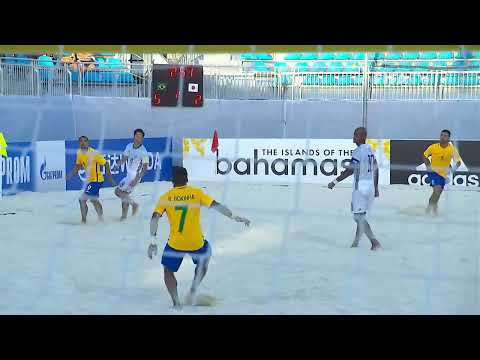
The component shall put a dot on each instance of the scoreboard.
(166, 82)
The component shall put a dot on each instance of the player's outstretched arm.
(73, 172)
(345, 174)
(222, 209)
(152, 248)
(427, 162)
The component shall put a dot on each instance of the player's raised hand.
(152, 250)
(331, 185)
(242, 220)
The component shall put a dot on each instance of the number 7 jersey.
(182, 205)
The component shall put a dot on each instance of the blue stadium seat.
(280, 66)
(343, 56)
(393, 56)
(11, 61)
(247, 56)
(312, 79)
(445, 55)
(378, 79)
(309, 56)
(439, 64)
(44, 61)
(260, 66)
(74, 75)
(458, 63)
(428, 55)
(302, 67)
(470, 79)
(449, 79)
(293, 56)
(114, 63)
(422, 66)
(359, 56)
(410, 55)
(380, 56)
(263, 56)
(326, 56)
(319, 66)
(26, 61)
(93, 76)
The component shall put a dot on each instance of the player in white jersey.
(364, 167)
(136, 156)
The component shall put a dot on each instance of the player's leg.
(124, 200)
(171, 261)
(437, 192)
(171, 284)
(83, 209)
(98, 208)
(201, 259)
(363, 227)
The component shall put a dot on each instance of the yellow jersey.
(182, 205)
(90, 161)
(441, 157)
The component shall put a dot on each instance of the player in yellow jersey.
(182, 205)
(90, 160)
(437, 158)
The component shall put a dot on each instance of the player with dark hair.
(136, 156)
(364, 167)
(441, 155)
(90, 160)
(182, 205)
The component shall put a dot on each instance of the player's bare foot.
(354, 244)
(189, 299)
(84, 222)
(134, 209)
(375, 245)
(123, 218)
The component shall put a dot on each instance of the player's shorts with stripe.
(124, 184)
(435, 179)
(172, 258)
(92, 191)
(362, 197)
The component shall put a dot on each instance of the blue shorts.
(436, 180)
(93, 189)
(172, 259)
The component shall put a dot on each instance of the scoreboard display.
(166, 80)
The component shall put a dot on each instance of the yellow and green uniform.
(182, 205)
(90, 161)
(441, 157)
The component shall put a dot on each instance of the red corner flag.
(215, 142)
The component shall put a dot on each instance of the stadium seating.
(293, 56)
(409, 55)
(309, 56)
(427, 55)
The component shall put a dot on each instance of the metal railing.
(132, 80)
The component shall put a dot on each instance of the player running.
(136, 156)
(441, 155)
(182, 205)
(90, 160)
(364, 167)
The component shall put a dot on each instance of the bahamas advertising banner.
(277, 160)
(159, 167)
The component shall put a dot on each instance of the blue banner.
(17, 170)
(159, 167)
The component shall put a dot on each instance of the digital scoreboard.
(166, 80)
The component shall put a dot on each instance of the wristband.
(335, 182)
